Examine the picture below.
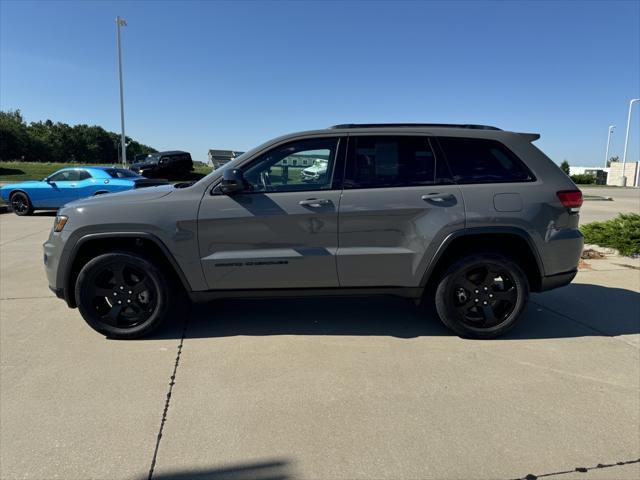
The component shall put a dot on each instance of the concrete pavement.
(318, 388)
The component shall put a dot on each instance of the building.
(630, 171)
(217, 158)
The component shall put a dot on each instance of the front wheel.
(122, 295)
(21, 204)
(482, 295)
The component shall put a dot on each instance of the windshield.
(121, 173)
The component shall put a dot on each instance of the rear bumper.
(558, 280)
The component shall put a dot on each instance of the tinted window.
(66, 176)
(83, 175)
(121, 173)
(290, 167)
(474, 160)
(391, 161)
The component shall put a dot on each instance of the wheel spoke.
(118, 274)
(489, 315)
(103, 292)
(467, 284)
(111, 317)
(140, 287)
(505, 295)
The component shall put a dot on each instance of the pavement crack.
(531, 476)
(172, 382)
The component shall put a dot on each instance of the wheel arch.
(509, 241)
(141, 243)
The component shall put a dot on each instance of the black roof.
(171, 152)
(401, 125)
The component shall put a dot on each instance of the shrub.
(583, 178)
(621, 233)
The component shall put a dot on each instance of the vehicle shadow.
(576, 310)
(271, 470)
(45, 213)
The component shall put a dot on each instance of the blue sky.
(204, 74)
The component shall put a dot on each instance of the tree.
(564, 166)
(59, 142)
(613, 159)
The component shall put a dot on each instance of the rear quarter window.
(477, 160)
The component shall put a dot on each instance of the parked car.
(315, 171)
(164, 164)
(470, 217)
(69, 184)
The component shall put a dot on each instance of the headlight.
(59, 223)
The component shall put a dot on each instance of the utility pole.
(606, 155)
(120, 22)
(623, 180)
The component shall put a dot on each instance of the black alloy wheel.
(482, 296)
(122, 295)
(21, 204)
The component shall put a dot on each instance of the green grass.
(621, 233)
(21, 171)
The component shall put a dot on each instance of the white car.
(313, 173)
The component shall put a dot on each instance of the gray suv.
(470, 217)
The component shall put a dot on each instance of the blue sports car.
(70, 184)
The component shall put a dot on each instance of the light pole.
(120, 22)
(623, 180)
(606, 155)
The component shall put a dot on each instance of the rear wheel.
(482, 295)
(21, 204)
(122, 295)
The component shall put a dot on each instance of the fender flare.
(468, 232)
(71, 256)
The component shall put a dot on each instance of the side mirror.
(232, 181)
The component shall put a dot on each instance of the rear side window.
(476, 160)
(83, 175)
(391, 161)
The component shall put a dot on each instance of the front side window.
(282, 169)
(392, 161)
(65, 176)
(478, 160)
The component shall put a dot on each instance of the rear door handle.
(73, 184)
(437, 197)
(314, 202)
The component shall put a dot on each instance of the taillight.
(571, 199)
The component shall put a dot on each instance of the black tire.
(140, 287)
(482, 295)
(21, 204)
(101, 192)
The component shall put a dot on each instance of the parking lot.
(356, 388)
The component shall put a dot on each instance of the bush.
(583, 179)
(621, 233)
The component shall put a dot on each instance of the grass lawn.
(20, 171)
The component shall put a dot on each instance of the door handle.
(314, 202)
(73, 184)
(437, 197)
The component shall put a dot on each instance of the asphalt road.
(318, 389)
(624, 200)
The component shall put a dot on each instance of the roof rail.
(398, 125)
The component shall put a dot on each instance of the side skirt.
(414, 293)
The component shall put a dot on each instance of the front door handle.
(437, 197)
(314, 202)
(73, 184)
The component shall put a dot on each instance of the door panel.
(269, 240)
(389, 235)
